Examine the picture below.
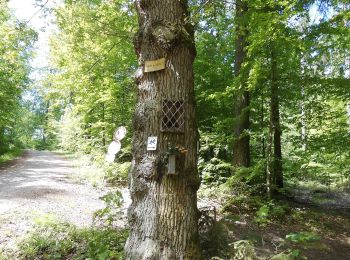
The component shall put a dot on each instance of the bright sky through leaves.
(25, 10)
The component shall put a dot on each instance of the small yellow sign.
(155, 65)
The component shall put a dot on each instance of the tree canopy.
(16, 41)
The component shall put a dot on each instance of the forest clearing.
(164, 130)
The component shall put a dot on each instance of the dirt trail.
(37, 184)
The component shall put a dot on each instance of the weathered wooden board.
(155, 65)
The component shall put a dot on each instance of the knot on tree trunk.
(138, 186)
(164, 35)
(142, 113)
(147, 168)
(167, 35)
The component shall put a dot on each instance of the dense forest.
(272, 95)
(16, 42)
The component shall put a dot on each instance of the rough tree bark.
(274, 160)
(241, 149)
(163, 216)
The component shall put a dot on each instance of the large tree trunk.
(163, 216)
(241, 149)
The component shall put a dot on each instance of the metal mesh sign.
(173, 118)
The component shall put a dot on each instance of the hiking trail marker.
(115, 145)
(152, 143)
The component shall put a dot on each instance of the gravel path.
(37, 184)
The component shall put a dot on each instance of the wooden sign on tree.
(155, 65)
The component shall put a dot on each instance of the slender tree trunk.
(103, 126)
(275, 127)
(2, 140)
(44, 137)
(241, 149)
(163, 216)
(303, 121)
(348, 112)
(269, 165)
(262, 124)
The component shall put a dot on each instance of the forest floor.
(40, 185)
(307, 224)
(307, 232)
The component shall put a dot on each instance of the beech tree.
(16, 41)
(163, 215)
(241, 149)
(274, 158)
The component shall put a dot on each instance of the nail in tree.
(164, 180)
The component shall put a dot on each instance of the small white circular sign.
(114, 147)
(119, 134)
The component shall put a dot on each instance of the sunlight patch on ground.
(6, 206)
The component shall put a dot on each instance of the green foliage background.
(88, 89)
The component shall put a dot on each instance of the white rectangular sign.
(152, 143)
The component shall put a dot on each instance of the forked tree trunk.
(241, 149)
(163, 216)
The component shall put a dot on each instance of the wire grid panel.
(173, 116)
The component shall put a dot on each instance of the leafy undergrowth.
(10, 155)
(96, 171)
(54, 240)
(248, 227)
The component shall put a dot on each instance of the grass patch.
(96, 171)
(11, 154)
(54, 240)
